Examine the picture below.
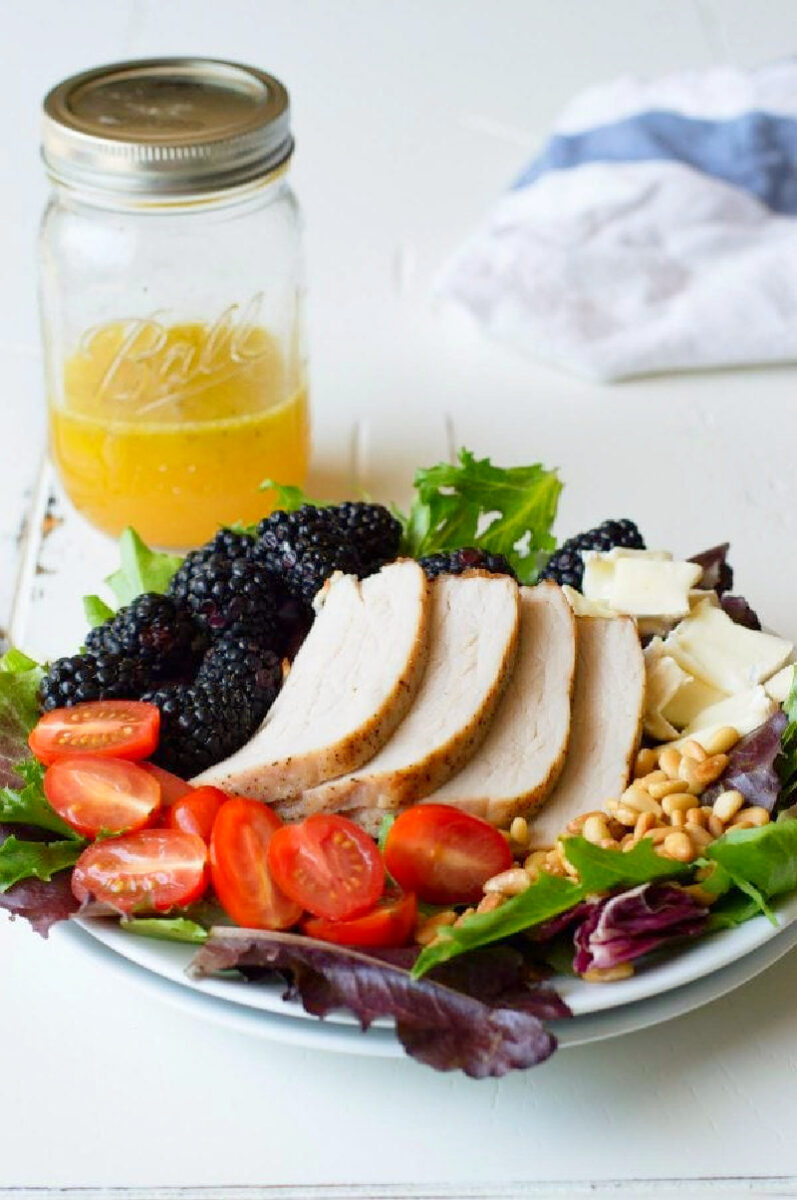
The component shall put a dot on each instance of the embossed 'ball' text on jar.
(172, 296)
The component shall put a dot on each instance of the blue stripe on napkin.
(756, 151)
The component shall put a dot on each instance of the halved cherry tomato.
(389, 924)
(172, 787)
(444, 855)
(115, 728)
(196, 811)
(328, 865)
(101, 795)
(149, 871)
(241, 878)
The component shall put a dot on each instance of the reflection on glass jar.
(172, 312)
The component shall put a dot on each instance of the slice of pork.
(350, 685)
(521, 757)
(608, 702)
(473, 639)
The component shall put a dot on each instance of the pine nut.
(464, 916)
(678, 819)
(651, 777)
(645, 822)
(688, 772)
(716, 827)
(608, 974)
(611, 806)
(670, 761)
(626, 816)
(710, 770)
(508, 883)
(678, 846)
(646, 761)
(677, 802)
(700, 837)
(666, 788)
(721, 740)
(489, 903)
(519, 831)
(694, 750)
(727, 804)
(535, 861)
(595, 829)
(638, 800)
(695, 818)
(427, 928)
(658, 835)
(751, 818)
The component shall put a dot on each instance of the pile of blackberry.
(469, 558)
(566, 565)
(208, 653)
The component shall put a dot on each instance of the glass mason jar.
(172, 296)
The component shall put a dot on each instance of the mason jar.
(172, 296)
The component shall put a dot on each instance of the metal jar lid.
(165, 128)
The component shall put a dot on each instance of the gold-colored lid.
(166, 127)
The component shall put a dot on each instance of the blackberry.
(82, 677)
(243, 663)
(202, 723)
(164, 638)
(305, 547)
(566, 565)
(469, 558)
(227, 591)
(373, 530)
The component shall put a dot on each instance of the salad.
(417, 766)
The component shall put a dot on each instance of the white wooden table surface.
(410, 115)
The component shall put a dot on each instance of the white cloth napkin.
(657, 230)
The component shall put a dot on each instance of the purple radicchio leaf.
(633, 923)
(751, 765)
(40, 902)
(437, 1024)
(717, 571)
(558, 924)
(740, 611)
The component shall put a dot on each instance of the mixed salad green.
(472, 999)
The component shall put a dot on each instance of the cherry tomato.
(149, 871)
(101, 795)
(444, 855)
(328, 865)
(196, 811)
(241, 878)
(116, 728)
(172, 787)
(390, 923)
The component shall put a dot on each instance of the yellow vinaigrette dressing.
(172, 428)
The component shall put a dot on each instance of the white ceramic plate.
(669, 971)
(380, 1042)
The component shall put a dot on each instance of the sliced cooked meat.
(351, 683)
(472, 646)
(522, 755)
(608, 701)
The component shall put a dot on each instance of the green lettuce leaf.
(20, 677)
(166, 929)
(764, 859)
(546, 898)
(96, 610)
(600, 871)
(28, 805)
(289, 498)
(504, 510)
(142, 569)
(40, 860)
